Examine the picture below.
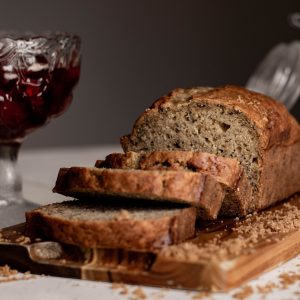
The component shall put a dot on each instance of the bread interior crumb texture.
(202, 127)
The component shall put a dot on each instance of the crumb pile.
(256, 229)
(285, 280)
(243, 293)
(120, 286)
(136, 294)
(7, 274)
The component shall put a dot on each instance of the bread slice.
(224, 170)
(231, 122)
(196, 189)
(91, 224)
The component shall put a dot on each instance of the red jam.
(33, 96)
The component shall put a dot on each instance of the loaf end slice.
(91, 224)
(196, 189)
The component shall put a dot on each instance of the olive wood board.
(154, 269)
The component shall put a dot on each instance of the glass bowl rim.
(28, 35)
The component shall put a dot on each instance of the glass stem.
(10, 178)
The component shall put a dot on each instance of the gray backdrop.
(135, 51)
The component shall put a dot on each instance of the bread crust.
(173, 186)
(280, 174)
(127, 233)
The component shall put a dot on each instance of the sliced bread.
(224, 170)
(231, 122)
(91, 224)
(196, 189)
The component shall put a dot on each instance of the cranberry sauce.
(31, 97)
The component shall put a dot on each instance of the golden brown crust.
(272, 120)
(125, 233)
(129, 160)
(280, 175)
(179, 95)
(172, 186)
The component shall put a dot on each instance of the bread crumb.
(124, 291)
(244, 293)
(139, 293)
(266, 289)
(200, 295)
(7, 271)
(123, 215)
(117, 285)
(288, 278)
(136, 294)
(121, 286)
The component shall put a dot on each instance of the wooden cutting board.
(224, 253)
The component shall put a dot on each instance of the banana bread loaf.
(231, 122)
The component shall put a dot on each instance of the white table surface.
(39, 168)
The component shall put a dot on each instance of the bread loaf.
(231, 122)
(196, 189)
(113, 225)
(226, 171)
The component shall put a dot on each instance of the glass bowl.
(38, 72)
